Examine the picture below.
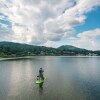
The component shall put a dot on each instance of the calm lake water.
(68, 78)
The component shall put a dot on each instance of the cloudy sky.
(51, 22)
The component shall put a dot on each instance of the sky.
(51, 23)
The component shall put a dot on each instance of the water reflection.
(20, 79)
(68, 79)
(41, 88)
(41, 85)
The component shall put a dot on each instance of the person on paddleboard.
(41, 77)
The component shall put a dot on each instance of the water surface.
(68, 78)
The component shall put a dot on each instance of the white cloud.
(72, 17)
(88, 39)
(43, 21)
(91, 34)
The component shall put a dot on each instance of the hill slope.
(69, 47)
(10, 49)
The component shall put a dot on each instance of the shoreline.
(26, 57)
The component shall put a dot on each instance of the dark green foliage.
(73, 50)
(10, 49)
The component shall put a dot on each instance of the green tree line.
(10, 49)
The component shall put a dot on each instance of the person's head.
(41, 68)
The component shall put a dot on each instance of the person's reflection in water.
(41, 88)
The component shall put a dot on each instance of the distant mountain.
(11, 49)
(71, 50)
(18, 49)
(69, 47)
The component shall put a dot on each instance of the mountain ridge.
(6, 42)
(13, 49)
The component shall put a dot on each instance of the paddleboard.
(40, 81)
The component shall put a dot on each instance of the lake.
(68, 78)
